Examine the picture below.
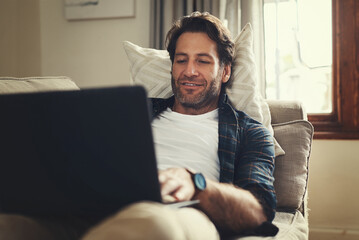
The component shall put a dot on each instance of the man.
(189, 129)
(206, 150)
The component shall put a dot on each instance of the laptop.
(85, 153)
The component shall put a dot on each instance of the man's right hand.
(176, 184)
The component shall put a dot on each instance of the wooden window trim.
(343, 122)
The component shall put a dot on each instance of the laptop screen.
(87, 152)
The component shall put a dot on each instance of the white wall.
(90, 51)
(334, 190)
(19, 38)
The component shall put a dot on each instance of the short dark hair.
(206, 23)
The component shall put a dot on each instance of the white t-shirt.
(189, 141)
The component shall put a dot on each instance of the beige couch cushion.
(35, 84)
(291, 169)
(292, 226)
(286, 111)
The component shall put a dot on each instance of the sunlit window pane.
(298, 44)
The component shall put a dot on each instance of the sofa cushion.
(35, 84)
(286, 110)
(291, 169)
(292, 226)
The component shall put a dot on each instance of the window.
(320, 70)
(298, 45)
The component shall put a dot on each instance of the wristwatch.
(199, 181)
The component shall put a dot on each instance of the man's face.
(197, 74)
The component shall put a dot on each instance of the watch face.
(199, 181)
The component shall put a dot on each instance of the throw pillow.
(291, 170)
(151, 68)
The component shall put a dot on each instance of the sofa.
(291, 129)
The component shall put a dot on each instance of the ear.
(226, 73)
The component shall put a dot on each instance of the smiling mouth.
(192, 84)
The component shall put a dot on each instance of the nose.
(191, 69)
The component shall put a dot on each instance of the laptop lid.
(87, 152)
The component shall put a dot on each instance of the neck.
(180, 108)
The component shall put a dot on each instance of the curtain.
(165, 12)
(252, 12)
(235, 14)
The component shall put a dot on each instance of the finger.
(164, 175)
(168, 199)
(162, 178)
(169, 186)
(184, 193)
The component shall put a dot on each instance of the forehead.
(192, 43)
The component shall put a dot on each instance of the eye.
(179, 61)
(204, 61)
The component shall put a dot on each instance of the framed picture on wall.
(98, 9)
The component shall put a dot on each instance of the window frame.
(343, 121)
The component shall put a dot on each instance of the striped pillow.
(243, 88)
(151, 68)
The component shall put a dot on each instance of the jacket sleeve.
(254, 165)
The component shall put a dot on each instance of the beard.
(201, 99)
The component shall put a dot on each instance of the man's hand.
(176, 183)
(231, 209)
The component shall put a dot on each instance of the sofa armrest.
(286, 111)
(10, 85)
